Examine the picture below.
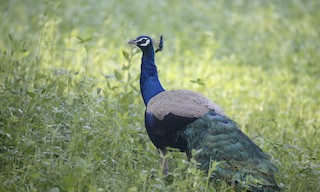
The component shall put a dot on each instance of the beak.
(133, 42)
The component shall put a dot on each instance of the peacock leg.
(189, 155)
(165, 164)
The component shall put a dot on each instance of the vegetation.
(71, 114)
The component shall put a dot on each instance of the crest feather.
(158, 44)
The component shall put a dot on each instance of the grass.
(71, 114)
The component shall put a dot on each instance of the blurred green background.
(71, 114)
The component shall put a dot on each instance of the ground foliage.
(71, 115)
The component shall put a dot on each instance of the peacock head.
(145, 42)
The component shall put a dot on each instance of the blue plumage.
(186, 120)
(163, 133)
(149, 81)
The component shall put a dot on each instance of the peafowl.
(188, 121)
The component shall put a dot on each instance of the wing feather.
(182, 103)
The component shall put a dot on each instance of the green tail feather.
(241, 162)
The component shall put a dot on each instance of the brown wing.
(182, 103)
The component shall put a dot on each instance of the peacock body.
(188, 121)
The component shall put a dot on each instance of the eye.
(144, 42)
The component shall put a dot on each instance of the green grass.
(71, 115)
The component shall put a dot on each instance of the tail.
(240, 161)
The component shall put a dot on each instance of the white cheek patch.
(146, 43)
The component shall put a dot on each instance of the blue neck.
(149, 81)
